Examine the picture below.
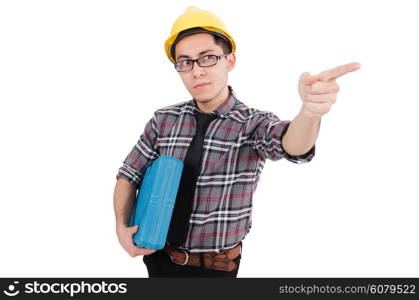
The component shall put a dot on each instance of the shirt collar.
(222, 110)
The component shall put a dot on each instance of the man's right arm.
(123, 200)
(129, 178)
(124, 196)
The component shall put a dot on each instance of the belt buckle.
(186, 260)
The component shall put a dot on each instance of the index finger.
(338, 71)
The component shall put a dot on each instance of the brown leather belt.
(221, 261)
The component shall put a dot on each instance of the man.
(224, 145)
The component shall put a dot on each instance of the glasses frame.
(197, 61)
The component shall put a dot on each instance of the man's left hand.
(319, 92)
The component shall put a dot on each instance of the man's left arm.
(318, 94)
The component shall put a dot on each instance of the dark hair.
(218, 40)
(222, 43)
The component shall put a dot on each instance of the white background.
(79, 80)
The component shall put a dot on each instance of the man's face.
(214, 77)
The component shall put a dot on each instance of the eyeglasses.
(203, 61)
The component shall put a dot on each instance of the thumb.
(134, 229)
(308, 79)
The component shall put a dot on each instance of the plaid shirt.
(236, 145)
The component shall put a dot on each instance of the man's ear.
(231, 61)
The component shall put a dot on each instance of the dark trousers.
(159, 264)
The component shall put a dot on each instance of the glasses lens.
(183, 65)
(207, 60)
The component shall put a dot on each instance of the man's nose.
(197, 71)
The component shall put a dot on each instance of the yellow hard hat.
(196, 20)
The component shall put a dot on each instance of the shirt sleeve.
(267, 138)
(141, 156)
